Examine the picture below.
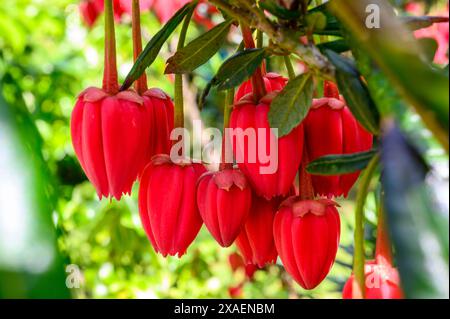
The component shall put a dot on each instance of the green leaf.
(204, 95)
(418, 228)
(238, 68)
(291, 106)
(338, 46)
(199, 51)
(30, 264)
(355, 92)
(151, 51)
(332, 165)
(397, 53)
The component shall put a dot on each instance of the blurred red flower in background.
(90, 10)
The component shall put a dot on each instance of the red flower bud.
(236, 292)
(382, 282)
(255, 242)
(236, 263)
(235, 260)
(273, 82)
(90, 10)
(248, 115)
(224, 200)
(307, 238)
(108, 135)
(331, 129)
(167, 205)
(250, 270)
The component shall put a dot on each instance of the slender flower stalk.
(383, 247)
(228, 107)
(141, 83)
(179, 102)
(110, 82)
(359, 288)
(306, 188)
(259, 88)
(259, 39)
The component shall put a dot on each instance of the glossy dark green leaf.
(152, 49)
(332, 165)
(238, 68)
(199, 51)
(338, 46)
(355, 92)
(291, 106)
(30, 264)
(418, 228)
(394, 49)
(204, 95)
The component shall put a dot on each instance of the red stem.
(110, 83)
(258, 85)
(226, 123)
(383, 251)
(306, 187)
(330, 89)
(141, 83)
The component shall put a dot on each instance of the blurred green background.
(50, 217)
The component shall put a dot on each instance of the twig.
(282, 38)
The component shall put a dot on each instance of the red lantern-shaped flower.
(330, 129)
(224, 200)
(269, 162)
(167, 205)
(255, 242)
(109, 128)
(109, 140)
(382, 282)
(307, 236)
